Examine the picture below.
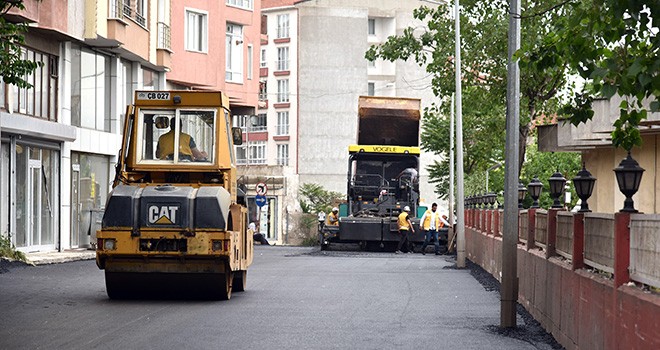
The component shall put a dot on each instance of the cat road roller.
(175, 223)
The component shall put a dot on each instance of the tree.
(484, 26)
(543, 165)
(483, 147)
(13, 68)
(613, 45)
(317, 199)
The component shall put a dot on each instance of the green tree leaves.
(315, 198)
(13, 68)
(484, 28)
(614, 46)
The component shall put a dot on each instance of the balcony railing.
(124, 9)
(163, 36)
(128, 12)
(116, 9)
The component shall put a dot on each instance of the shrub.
(7, 250)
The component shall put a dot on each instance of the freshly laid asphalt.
(296, 298)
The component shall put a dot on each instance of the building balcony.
(126, 26)
(50, 15)
(163, 50)
(563, 136)
(282, 105)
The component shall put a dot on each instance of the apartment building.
(60, 138)
(313, 70)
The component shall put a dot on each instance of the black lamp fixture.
(584, 187)
(534, 188)
(628, 177)
(491, 200)
(521, 194)
(557, 182)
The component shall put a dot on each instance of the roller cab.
(173, 222)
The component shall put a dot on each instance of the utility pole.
(460, 215)
(509, 286)
(451, 164)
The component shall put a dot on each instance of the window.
(257, 152)
(196, 31)
(282, 26)
(163, 24)
(283, 154)
(41, 99)
(282, 58)
(259, 123)
(250, 62)
(141, 12)
(251, 152)
(150, 79)
(263, 91)
(241, 121)
(133, 9)
(372, 26)
(263, 63)
(90, 89)
(161, 130)
(371, 89)
(234, 52)
(244, 4)
(283, 90)
(283, 123)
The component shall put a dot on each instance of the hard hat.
(335, 209)
(406, 208)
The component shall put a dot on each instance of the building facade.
(61, 137)
(593, 141)
(313, 70)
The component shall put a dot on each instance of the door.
(75, 206)
(34, 213)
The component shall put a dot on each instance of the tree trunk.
(522, 147)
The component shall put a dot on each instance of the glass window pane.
(4, 190)
(21, 196)
(87, 90)
(38, 74)
(2, 94)
(49, 169)
(45, 80)
(107, 95)
(35, 201)
(99, 124)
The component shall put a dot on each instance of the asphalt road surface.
(296, 298)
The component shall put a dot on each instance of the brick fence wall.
(582, 307)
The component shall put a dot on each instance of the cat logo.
(162, 215)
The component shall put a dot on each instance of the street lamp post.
(557, 182)
(628, 177)
(522, 190)
(535, 187)
(584, 186)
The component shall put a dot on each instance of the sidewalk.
(45, 258)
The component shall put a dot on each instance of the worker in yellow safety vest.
(430, 223)
(405, 227)
(187, 147)
(333, 217)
